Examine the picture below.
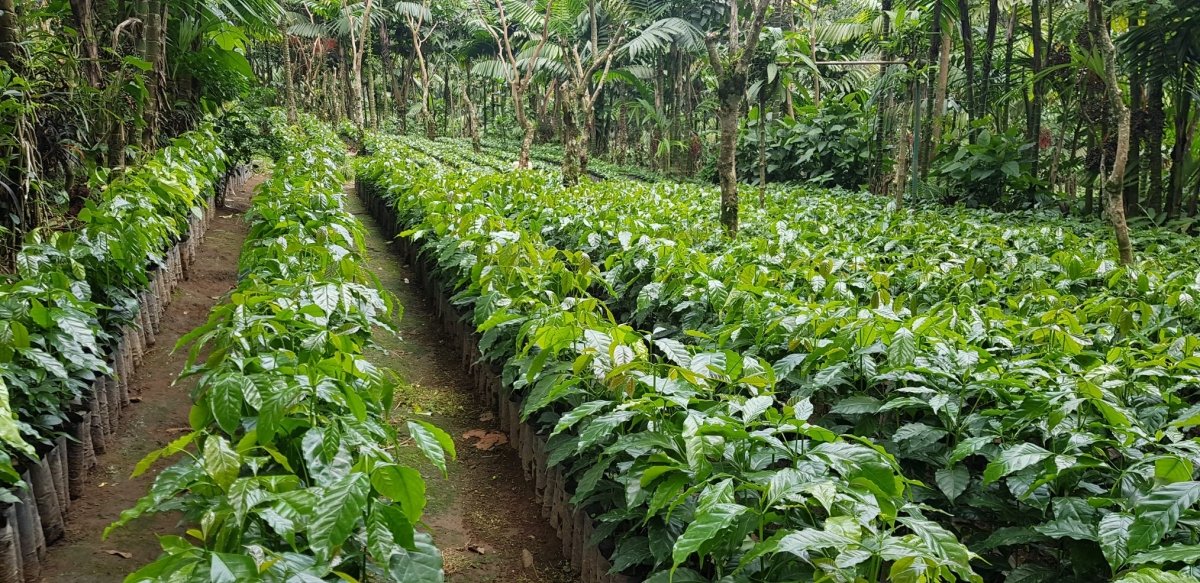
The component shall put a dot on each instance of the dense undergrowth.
(1037, 397)
(294, 475)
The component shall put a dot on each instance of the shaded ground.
(483, 517)
(158, 416)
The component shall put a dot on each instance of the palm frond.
(659, 35)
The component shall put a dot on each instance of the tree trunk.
(372, 101)
(359, 45)
(1133, 171)
(1194, 200)
(964, 18)
(1008, 56)
(288, 83)
(939, 104)
(85, 20)
(405, 88)
(1035, 112)
(925, 148)
(153, 23)
(10, 48)
(880, 179)
(447, 101)
(472, 117)
(426, 113)
(762, 141)
(1154, 142)
(1114, 184)
(1183, 108)
(573, 133)
(385, 54)
(989, 47)
(728, 113)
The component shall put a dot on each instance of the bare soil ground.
(158, 416)
(483, 516)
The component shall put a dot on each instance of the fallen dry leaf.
(487, 439)
(477, 549)
(487, 416)
(122, 554)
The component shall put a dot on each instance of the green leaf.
(1158, 512)
(1113, 535)
(221, 462)
(953, 481)
(1013, 459)
(404, 486)
(1171, 469)
(1156, 576)
(1173, 554)
(704, 527)
(857, 405)
(387, 527)
(570, 418)
(170, 449)
(903, 349)
(799, 543)
(39, 314)
(1072, 528)
(10, 434)
(225, 397)
(336, 513)
(227, 568)
(432, 442)
(943, 544)
(423, 564)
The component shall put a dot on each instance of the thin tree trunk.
(939, 103)
(358, 44)
(85, 20)
(472, 117)
(1133, 170)
(1113, 186)
(574, 135)
(762, 140)
(1183, 108)
(925, 148)
(1154, 142)
(152, 17)
(372, 99)
(989, 47)
(402, 105)
(385, 54)
(1008, 57)
(288, 84)
(1035, 112)
(881, 182)
(964, 18)
(1194, 200)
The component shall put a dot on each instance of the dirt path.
(158, 415)
(483, 517)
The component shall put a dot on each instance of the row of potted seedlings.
(655, 460)
(291, 469)
(75, 323)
